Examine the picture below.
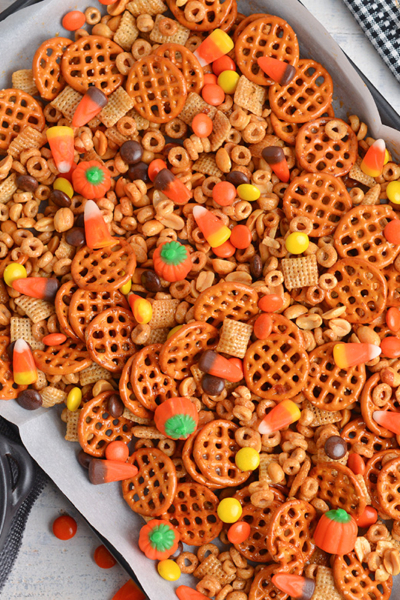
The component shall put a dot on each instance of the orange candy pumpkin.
(158, 540)
(172, 261)
(336, 532)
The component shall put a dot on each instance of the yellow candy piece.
(126, 288)
(229, 510)
(14, 271)
(228, 80)
(174, 330)
(248, 192)
(247, 459)
(387, 157)
(393, 192)
(74, 399)
(142, 311)
(169, 570)
(63, 185)
(297, 242)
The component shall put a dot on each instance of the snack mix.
(200, 260)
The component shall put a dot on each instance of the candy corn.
(214, 364)
(388, 419)
(213, 47)
(390, 346)
(105, 471)
(211, 226)
(141, 308)
(61, 140)
(283, 414)
(24, 368)
(172, 187)
(296, 586)
(129, 591)
(277, 70)
(373, 161)
(392, 232)
(37, 287)
(90, 106)
(185, 592)
(276, 159)
(96, 230)
(350, 355)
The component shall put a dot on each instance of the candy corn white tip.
(198, 211)
(64, 167)
(375, 351)
(203, 62)
(264, 428)
(20, 345)
(91, 209)
(380, 144)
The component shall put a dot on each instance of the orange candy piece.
(117, 451)
(73, 20)
(356, 463)
(388, 419)
(103, 558)
(185, 592)
(369, 517)
(263, 326)
(295, 586)
(91, 104)
(224, 193)
(213, 94)
(270, 303)
(278, 70)
(283, 414)
(64, 527)
(54, 339)
(129, 591)
(202, 125)
(239, 532)
(106, 471)
(393, 319)
(392, 232)
(373, 161)
(390, 347)
(215, 364)
(240, 237)
(349, 355)
(210, 78)
(226, 250)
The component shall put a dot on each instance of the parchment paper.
(42, 431)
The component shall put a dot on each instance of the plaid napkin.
(380, 19)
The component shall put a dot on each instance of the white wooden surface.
(47, 569)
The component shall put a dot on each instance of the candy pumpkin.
(336, 532)
(91, 180)
(176, 418)
(158, 540)
(172, 261)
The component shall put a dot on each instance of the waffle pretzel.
(359, 233)
(62, 302)
(86, 305)
(356, 432)
(308, 95)
(91, 61)
(157, 88)
(355, 581)
(46, 67)
(194, 514)
(214, 452)
(17, 110)
(127, 395)
(235, 300)
(191, 466)
(262, 587)
(319, 197)
(285, 131)
(267, 36)
(392, 277)
(150, 386)
(276, 368)
(361, 288)
(368, 406)
(230, 18)
(293, 524)
(106, 269)
(184, 348)
(316, 152)
(339, 487)
(186, 62)
(152, 491)
(108, 338)
(372, 470)
(69, 357)
(387, 488)
(328, 387)
(215, 13)
(97, 428)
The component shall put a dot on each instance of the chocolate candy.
(237, 178)
(80, 221)
(27, 183)
(75, 237)
(273, 155)
(30, 400)
(335, 447)
(131, 152)
(212, 386)
(115, 406)
(10, 351)
(84, 459)
(139, 171)
(256, 266)
(60, 198)
(151, 281)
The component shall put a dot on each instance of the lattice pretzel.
(97, 428)
(339, 487)
(158, 89)
(105, 269)
(276, 368)
(69, 357)
(284, 130)
(262, 587)
(319, 197)
(388, 486)
(355, 581)
(186, 62)
(328, 387)
(17, 110)
(91, 61)
(373, 468)
(214, 452)
(152, 491)
(356, 432)
(361, 288)
(293, 523)
(46, 67)
(392, 276)
(360, 233)
(127, 395)
(62, 302)
(108, 338)
(266, 36)
(283, 326)
(86, 305)
(317, 152)
(235, 300)
(191, 466)
(149, 384)
(368, 407)
(194, 513)
(306, 97)
(215, 13)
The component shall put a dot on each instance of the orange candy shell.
(73, 20)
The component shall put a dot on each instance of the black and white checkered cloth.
(380, 19)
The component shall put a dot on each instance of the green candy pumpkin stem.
(338, 515)
(94, 175)
(161, 537)
(180, 426)
(173, 253)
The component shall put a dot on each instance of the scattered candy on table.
(64, 527)
(129, 591)
(103, 558)
(73, 20)
(61, 141)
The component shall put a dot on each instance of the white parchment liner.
(42, 431)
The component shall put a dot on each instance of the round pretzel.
(215, 13)
(108, 338)
(17, 111)
(356, 581)
(191, 466)
(293, 523)
(388, 486)
(69, 357)
(150, 386)
(392, 277)
(46, 67)
(356, 432)
(339, 487)
(62, 302)
(186, 62)
(235, 300)
(127, 395)
(373, 468)
(368, 406)
(262, 587)
(86, 305)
